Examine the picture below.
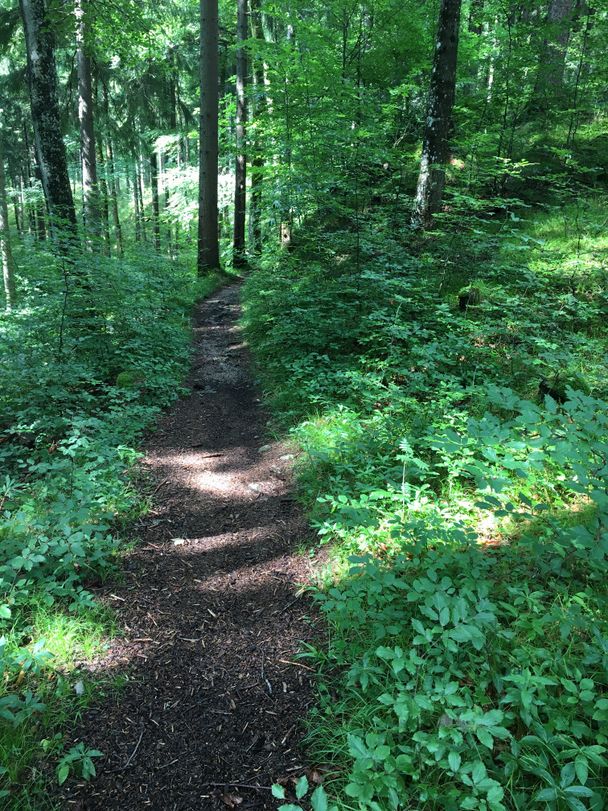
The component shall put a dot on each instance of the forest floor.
(210, 606)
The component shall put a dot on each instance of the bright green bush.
(466, 510)
(69, 427)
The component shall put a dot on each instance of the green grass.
(466, 512)
(49, 672)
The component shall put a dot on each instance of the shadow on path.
(209, 607)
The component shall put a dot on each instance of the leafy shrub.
(466, 509)
(77, 393)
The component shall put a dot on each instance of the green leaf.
(278, 791)
(579, 791)
(567, 775)
(357, 747)
(454, 760)
(575, 804)
(581, 766)
(495, 794)
(547, 794)
(302, 787)
(485, 737)
(319, 799)
(290, 807)
(62, 773)
(479, 772)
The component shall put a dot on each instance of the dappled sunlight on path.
(211, 608)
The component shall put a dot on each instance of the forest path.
(209, 606)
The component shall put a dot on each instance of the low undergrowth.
(110, 349)
(450, 402)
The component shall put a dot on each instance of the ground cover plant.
(77, 395)
(454, 457)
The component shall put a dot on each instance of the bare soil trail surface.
(210, 606)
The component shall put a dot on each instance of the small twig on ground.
(134, 752)
(296, 664)
(268, 684)
(228, 784)
(129, 759)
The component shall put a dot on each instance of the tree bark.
(208, 238)
(8, 265)
(257, 164)
(475, 15)
(114, 196)
(552, 57)
(90, 186)
(155, 200)
(436, 147)
(46, 118)
(240, 193)
(104, 207)
(139, 177)
(136, 207)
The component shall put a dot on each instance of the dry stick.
(297, 664)
(134, 752)
(237, 785)
(157, 488)
(129, 759)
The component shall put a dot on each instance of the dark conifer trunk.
(240, 195)
(104, 207)
(90, 187)
(111, 169)
(6, 254)
(155, 200)
(50, 149)
(257, 164)
(208, 239)
(552, 57)
(435, 146)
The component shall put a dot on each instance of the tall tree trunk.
(90, 187)
(114, 196)
(28, 214)
(208, 238)
(435, 146)
(8, 265)
(50, 148)
(257, 164)
(139, 177)
(552, 57)
(139, 213)
(18, 204)
(173, 92)
(114, 188)
(475, 14)
(155, 200)
(104, 208)
(40, 210)
(240, 192)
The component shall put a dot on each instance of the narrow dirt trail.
(209, 606)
